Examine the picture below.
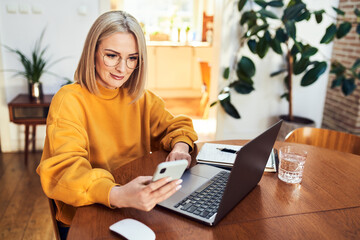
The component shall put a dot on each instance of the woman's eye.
(111, 55)
(135, 58)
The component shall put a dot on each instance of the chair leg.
(26, 143)
(53, 218)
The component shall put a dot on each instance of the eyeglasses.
(113, 59)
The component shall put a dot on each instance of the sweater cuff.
(184, 139)
(100, 190)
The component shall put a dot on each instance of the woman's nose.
(121, 66)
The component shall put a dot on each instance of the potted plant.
(264, 29)
(34, 67)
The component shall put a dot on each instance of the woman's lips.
(117, 77)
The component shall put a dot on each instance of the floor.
(24, 210)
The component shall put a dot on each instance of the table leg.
(27, 126)
(33, 137)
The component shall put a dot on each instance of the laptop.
(208, 193)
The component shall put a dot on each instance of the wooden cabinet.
(174, 67)
(174, 71)
(23, 110)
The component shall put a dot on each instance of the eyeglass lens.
(112, 59)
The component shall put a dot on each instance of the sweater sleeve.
(65, 171)
(170, 129)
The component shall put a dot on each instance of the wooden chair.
(205, 76)
(53, 218)
(331, 139)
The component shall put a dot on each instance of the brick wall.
(341, 112)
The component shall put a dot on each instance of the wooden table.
(30, 112)
(326, 205)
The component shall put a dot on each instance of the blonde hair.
(104, 26)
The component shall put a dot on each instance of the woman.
(107, 119)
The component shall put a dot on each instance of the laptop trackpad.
(197, 176)
(191, 182)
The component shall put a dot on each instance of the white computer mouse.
(132, 229)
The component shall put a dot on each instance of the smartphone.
(173, 169)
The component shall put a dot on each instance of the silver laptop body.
(245, 174)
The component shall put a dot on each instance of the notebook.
(210, 153)
(226, 188)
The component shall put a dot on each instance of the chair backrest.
(331, 139)
(53, 217)
(205, 74)
(205, 77)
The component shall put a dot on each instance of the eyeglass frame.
(120, 58)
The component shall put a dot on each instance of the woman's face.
(116, 58)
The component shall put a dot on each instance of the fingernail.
(179, 181)
(178, 187)
(168, 179)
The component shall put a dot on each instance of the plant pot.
(288, 126)
(35, 91)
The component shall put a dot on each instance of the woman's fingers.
(166, 191)
(143, 194)
(162, 189)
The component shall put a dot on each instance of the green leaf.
(273, 74)
(266, 13)
(281, 35)
(313, 74)
(241, 4)
(249, 16)
(356, 64)
(227, 106)
(338, 11)
(226, 73)
(337, 68)
(286, 81)
(291, 29)
(285, 95)
(293, 11)
(255, 29)
(357, 12)
(343, 29)
(337, 81)
(213, 103)
(252, 45)
(308, 52)
(329, 34)
(267, 36)
(318, 15)
(246, 67)
(297, 48)
(358, 29)
(301, 65)
(277, 3)
(243, 87)
(305, 15)
(262, 47)
(261, 3)
(348, 86)
(275, 45)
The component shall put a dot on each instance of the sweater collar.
(107, 93)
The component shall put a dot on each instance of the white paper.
(210, 153)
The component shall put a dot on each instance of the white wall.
(260, 108)
(67, 23)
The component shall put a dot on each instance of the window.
(169, 20)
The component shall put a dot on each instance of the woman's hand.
(143, 194)
(179, 151)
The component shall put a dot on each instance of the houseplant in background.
(34, 67)
(263, 29)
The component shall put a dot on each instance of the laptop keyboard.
(205, 201)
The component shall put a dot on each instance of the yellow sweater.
(88, 136)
